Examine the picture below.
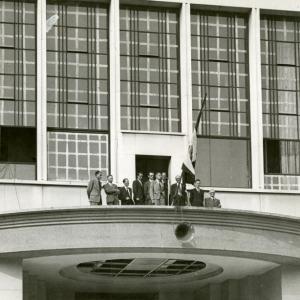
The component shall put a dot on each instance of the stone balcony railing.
(27, 195)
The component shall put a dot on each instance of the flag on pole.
(188, 166)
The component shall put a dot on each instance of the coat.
(112, 192)
(212, 202)
(147, 198)
(126, 197)
(94, 191)
(175, 198)
(196, 198)
(138, 192)
(157, 193)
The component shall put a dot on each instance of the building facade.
(117, 86)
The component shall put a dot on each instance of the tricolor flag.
(188, 166)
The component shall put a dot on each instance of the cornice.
(145, 214)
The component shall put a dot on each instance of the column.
(41, 91)
(257, 161)
(11, 279)
(186, 72)
(114, 68)
(290, 282)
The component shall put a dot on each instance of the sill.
(44, 182)
(153, 132)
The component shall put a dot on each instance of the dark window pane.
(272, 156)
(17, 144)
(223, 162)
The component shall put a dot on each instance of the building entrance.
(151, 163)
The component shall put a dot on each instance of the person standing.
(126, 193)
(94, 189)
(178, 194)
(138, 191)
(197, 194)
(111, 191)
(157, 193)
(147, 189)
(165, 182)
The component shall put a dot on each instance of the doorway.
(151, 163)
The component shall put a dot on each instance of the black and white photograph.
(149, 150)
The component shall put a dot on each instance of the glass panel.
(286, 78)
(76, 156)
(288, 127)
(17, 153)
(286, 53)
(77, 66)
(17, 63)
(17, 171)
(272, 156)
(149, 69)
(280, 88)
(216, 157)
(220, 70)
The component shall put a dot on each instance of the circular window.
(141, 267)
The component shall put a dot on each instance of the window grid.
(76, 156)
(17, 63)
(280, 58)
(280, 62)
(77, 64)
(219, 45)
(149, 48)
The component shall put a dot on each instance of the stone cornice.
(146, 214)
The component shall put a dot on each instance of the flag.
(188, 166)
(51, 22)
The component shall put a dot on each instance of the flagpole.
(203, 102)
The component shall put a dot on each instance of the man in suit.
(157, 193)
(94, 189)
(111, 191)
(126, 193)
(212, 201)
(196, 194)
(165, 181)
(178, 194)
(138, 191)
(147, 189)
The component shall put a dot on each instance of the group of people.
(155, 191)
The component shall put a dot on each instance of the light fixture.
(184, 232)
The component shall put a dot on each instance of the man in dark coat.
(94, 189)
(138, 191)
(197, 194)
(165, 181)
(126, 193)
(178, 194)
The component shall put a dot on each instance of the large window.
(220, 68)
(77, 89)
(280, 59)
(17, 89)
(149, 47)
